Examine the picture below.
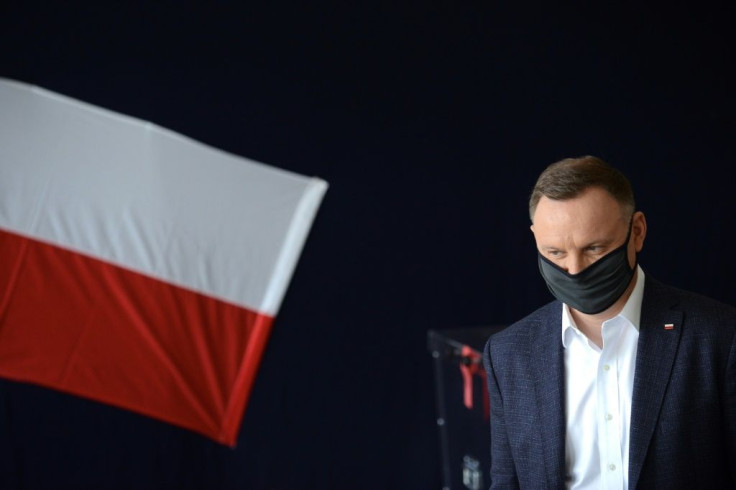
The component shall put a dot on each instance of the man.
(622, 382)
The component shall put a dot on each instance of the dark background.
(430, 121)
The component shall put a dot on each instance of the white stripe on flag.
(151, 200)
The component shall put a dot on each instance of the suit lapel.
(659, 336)
(549, 386)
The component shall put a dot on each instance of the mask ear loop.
(631, 228)
(628, 239)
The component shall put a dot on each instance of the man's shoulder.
(522, 330)
(690, 301)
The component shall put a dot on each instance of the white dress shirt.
(598, 390)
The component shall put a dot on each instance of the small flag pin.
(669, 326)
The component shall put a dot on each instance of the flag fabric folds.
(138, 267)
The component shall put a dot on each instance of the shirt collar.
(631, 310)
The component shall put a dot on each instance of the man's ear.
(639, 230)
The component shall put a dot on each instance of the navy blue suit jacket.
(683, 414)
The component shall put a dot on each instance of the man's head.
(568, 178)
(582, 211)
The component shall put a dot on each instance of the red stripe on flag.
(83, 326)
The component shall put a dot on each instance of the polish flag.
(138, 267)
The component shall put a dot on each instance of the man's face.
(576, 232)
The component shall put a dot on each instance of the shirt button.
(609, 416)
(612, 467)
(606, 367)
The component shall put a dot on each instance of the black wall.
(431, 122)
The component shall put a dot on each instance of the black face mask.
(595, 288)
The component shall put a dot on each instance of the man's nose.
(574, 263)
